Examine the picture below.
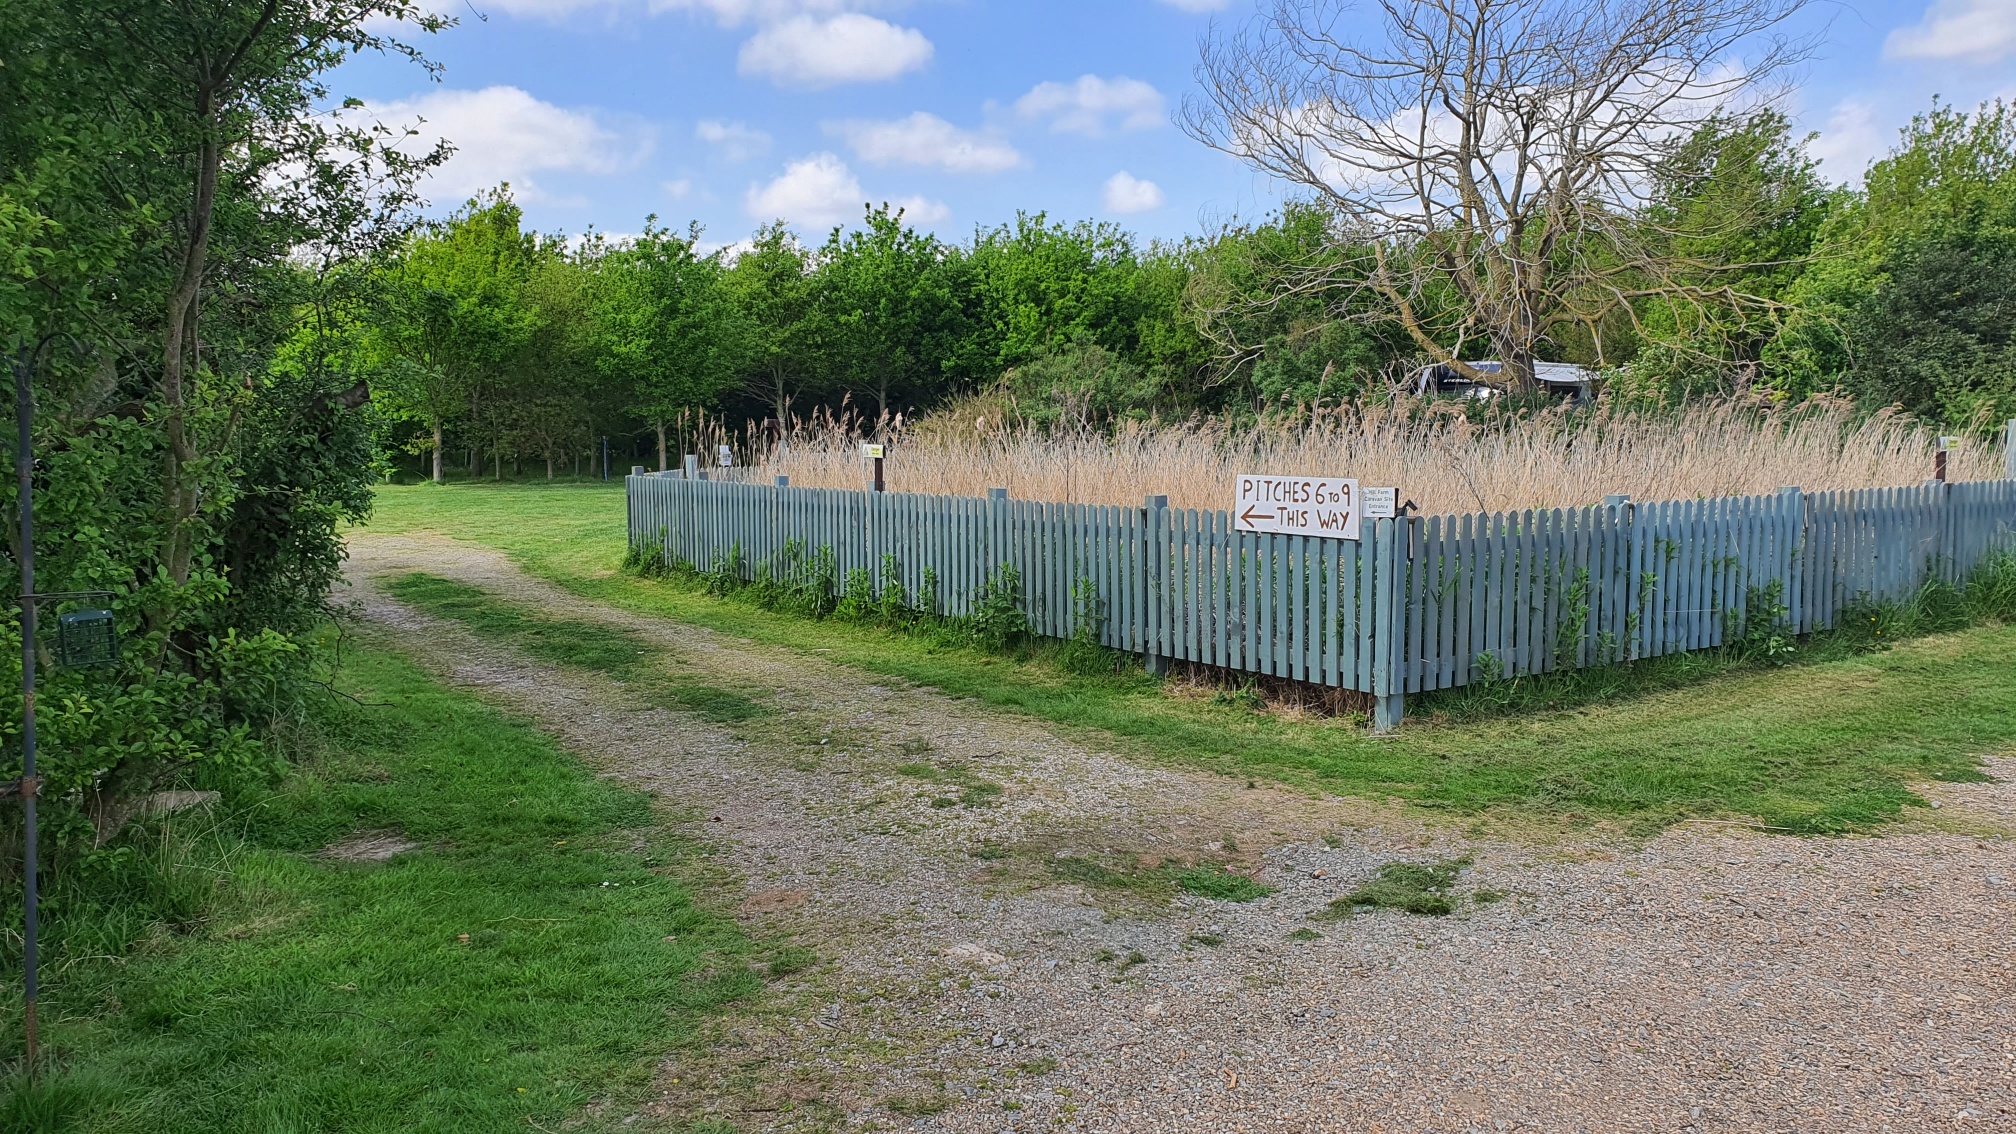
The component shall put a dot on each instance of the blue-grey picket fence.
(1419, 604)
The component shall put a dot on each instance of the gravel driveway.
(1711, 979)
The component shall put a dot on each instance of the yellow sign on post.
(873, 452)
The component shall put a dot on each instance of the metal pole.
(24, 467)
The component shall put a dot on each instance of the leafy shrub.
(647, 559)
(792, 582)
(724, 577)
(1084, 654)
(1762, 634)
(996, 620)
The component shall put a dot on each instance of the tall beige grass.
(1437, 458)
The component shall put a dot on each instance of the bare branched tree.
(1490, 162)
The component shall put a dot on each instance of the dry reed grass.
(1439, 458)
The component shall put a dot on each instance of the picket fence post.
(1389, 682)
(1156, 560)
(2009, 450)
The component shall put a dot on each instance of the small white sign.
(1379, 503)
(1324, 506)
(871, 451)
(726, 456)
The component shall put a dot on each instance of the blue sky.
(730, 112)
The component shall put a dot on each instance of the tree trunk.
(438, 475)
(664, 462)
(475, 450)
(179, 489)
(1516, 357)
(549, 464)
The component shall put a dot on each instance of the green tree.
(1918, 304)
(775, 303)
(1739, 205)
(174, 203)
(1280, 305)
(557, 376)
(455, 316)
(665, 326)
(889, 295)
(1041, 286)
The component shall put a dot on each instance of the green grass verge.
(536, 950)
(594, 646)
(1826, 747)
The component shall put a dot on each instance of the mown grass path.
(1023, 954)
(439, 922)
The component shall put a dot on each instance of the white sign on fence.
(1325, 506)
(1378, 503)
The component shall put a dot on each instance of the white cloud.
(504, 134)
(1199, 5)
(812, 53)
(735, 13)
(730, 251)
(547, 9)
(1983, 31)
(735, 141)
(1126, 193)
(1850, 140)
(1083, 107)
(553, 10)
(927, 140)
(819, 190)
(678, 190)
(922, 210)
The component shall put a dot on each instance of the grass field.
(1820, 747)
(539, 947)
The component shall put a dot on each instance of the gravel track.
(1711, 979)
